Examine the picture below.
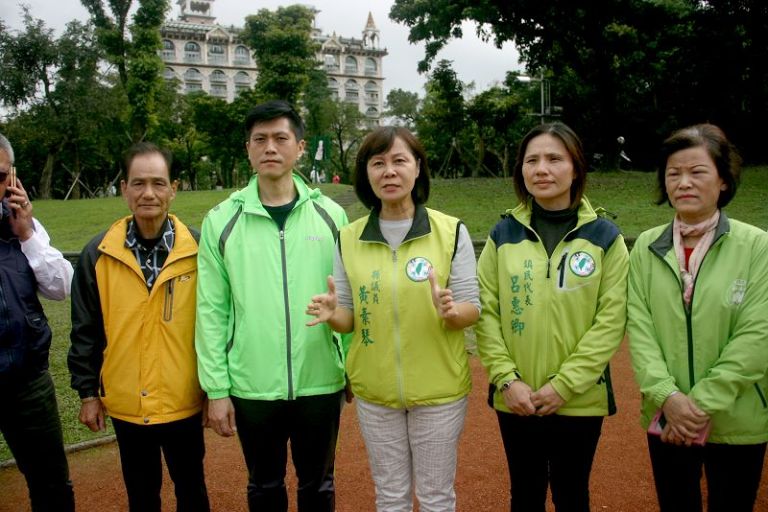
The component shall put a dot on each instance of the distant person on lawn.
(698, 330)
(29, 420)
(133, 326)
(553, 285)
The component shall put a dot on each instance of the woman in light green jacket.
(698, 322)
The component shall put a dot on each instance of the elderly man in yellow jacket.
(132, 355)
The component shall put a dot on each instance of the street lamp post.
(544, 88)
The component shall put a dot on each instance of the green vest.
(401, 353)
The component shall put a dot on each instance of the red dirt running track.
(621, 479)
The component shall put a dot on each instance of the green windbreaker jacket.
(718, 353)
(557, 319)
(254, 283)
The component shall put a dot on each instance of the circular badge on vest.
(417, 269)
(582, 264)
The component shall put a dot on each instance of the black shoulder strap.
(328, 220)
(228, 230)
(456, 239)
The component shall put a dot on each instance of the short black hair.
(574, 147)
(380, 141)
(146, 148)
(724, 154)
(274, 109)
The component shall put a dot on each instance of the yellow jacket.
(139, 344)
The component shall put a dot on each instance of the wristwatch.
(506, 385)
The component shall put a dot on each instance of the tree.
(442, 122)
(346, 124)
(65, 100)
(497, 114)
(629, 67)
(403, 106)
(284, 51)
(136, 57)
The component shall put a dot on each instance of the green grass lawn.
(478, 202)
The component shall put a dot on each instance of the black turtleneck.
(553, 225)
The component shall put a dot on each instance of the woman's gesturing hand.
(323, 306)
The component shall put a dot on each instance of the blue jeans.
(31, 426)
(183, 447)
(264, 427)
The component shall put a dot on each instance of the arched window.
(192, 52)
(193, 75)
(169, 74)
(351, 91)
(218, 76)
(372, 112)
(242, 78)
(371, 68)
(169, 50)
(242, 82)
(242, 55)
(350, 65)
(371, 92)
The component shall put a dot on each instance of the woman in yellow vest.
(405, 284)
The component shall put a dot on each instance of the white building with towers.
(205, 56)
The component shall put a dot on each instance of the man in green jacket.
(264, 252)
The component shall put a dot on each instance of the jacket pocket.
(168, 303)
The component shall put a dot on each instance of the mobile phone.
(659, 422)
(13, 176)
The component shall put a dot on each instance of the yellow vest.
(401, 353)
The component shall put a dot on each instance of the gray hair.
(5, 145)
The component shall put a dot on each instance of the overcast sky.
(474, 60)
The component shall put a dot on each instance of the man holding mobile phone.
(30, 417)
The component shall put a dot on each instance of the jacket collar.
(249, 196)
(524, 211)
(664, 243)
(420, 226)
(166, 238)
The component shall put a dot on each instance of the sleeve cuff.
(216, 395)
(565, 393)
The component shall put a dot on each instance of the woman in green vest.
(405, 284)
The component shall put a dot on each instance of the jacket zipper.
(284, 263)
(168, 304)
(688, 312)
(561, 269)
(396, 330)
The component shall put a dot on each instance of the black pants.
(182, 445)
(31, 426)
(555, 450)
(312, 426)
(733, 475)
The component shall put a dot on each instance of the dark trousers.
(311, 424)
(31, 426)
(554, 450)
(183, 447)
(733, 475)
